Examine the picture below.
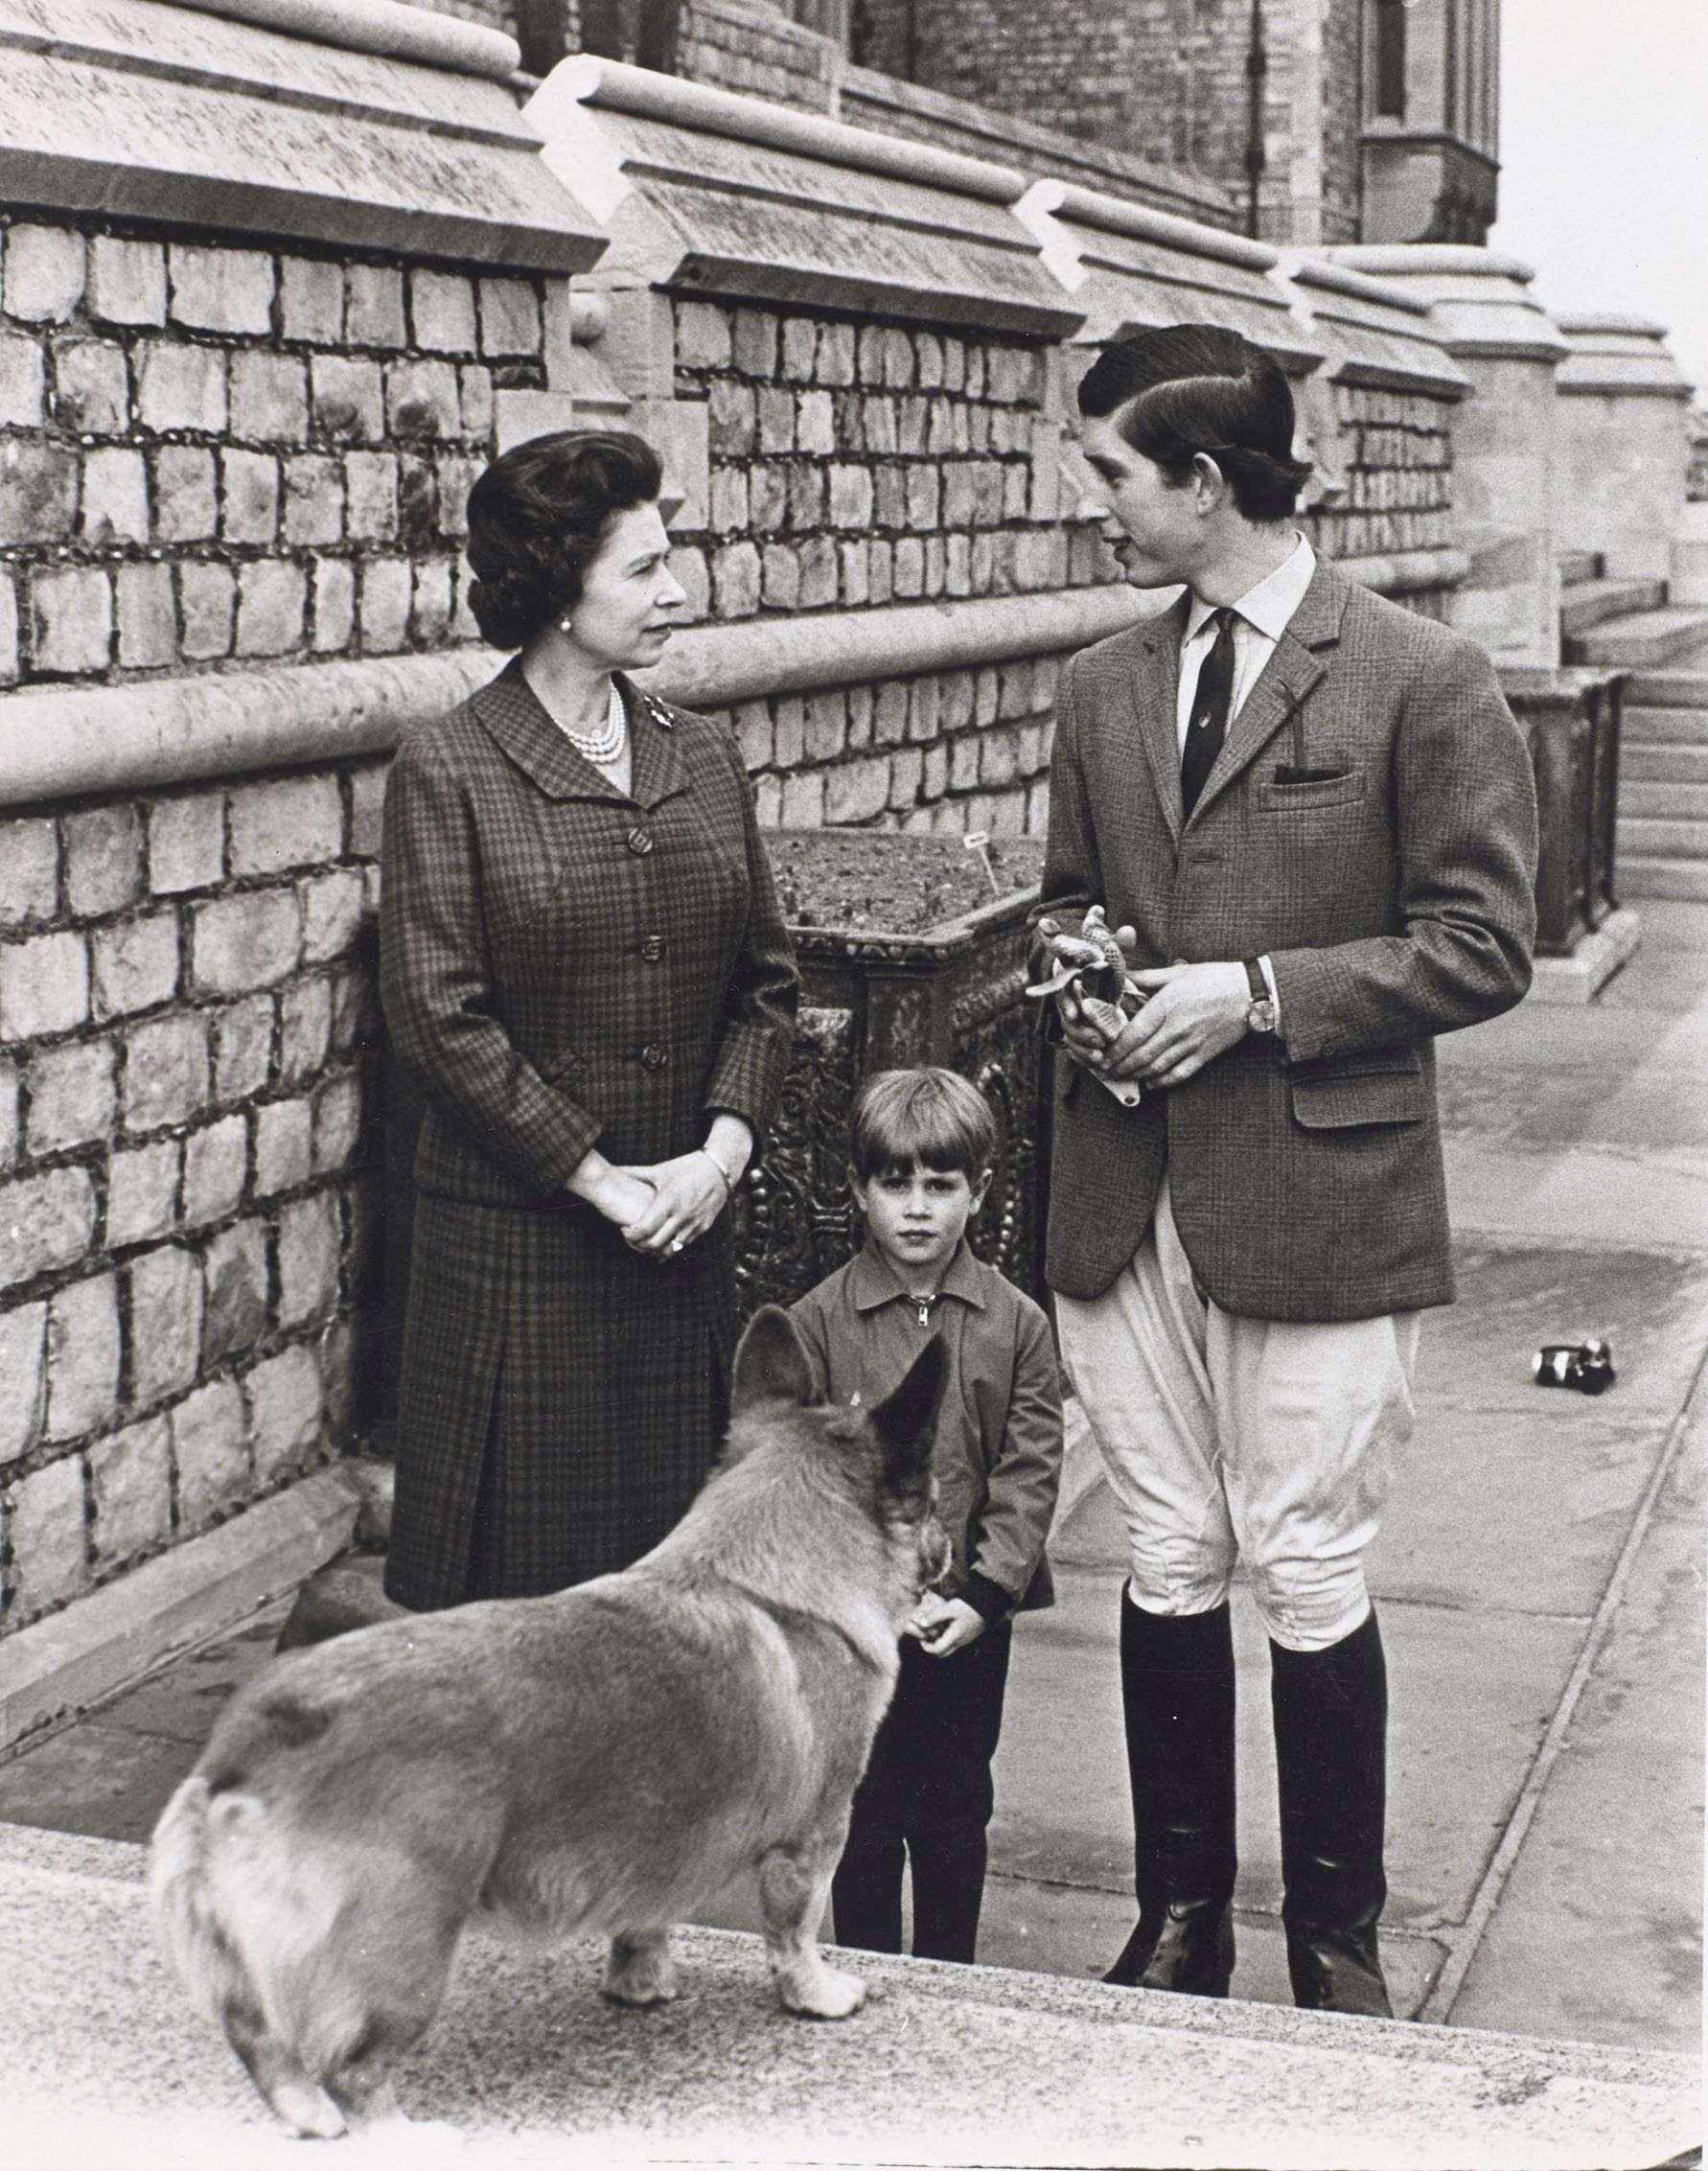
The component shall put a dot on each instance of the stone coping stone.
(1375, 333)
(1432, 259)
(189, 121)
(1130, 268)
(57, 742)
(1079, 206)
(1623, 354)
(945, 2065)
(1342, 279)
(648, 95)
(708, 192)
(61, 742)
(381, 26)
(1481, 299)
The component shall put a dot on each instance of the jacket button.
(652, 948)
(655, 1055)
(640, 841)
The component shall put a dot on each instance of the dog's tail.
(244, 1928)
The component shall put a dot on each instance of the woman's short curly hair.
(537, 518)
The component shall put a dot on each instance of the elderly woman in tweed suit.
(583, 961)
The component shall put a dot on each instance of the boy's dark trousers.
(927, 1791)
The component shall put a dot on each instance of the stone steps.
(1577, 567)
(1674, 761)
(1677, 801)
(1643, 639)
(1667, 689)
(1659, 838)
(1647, 724)
(1662, 848)
(1590, 602)
(1677, 880)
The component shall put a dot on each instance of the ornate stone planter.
(909, 952)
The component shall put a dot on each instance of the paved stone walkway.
(1540, 1581)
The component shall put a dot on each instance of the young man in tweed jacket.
(1311, 818)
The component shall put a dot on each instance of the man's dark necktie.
(1210, 703)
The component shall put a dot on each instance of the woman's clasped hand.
(684, 1198)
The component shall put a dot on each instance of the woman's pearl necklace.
(603, 746)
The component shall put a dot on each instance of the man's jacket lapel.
(1156, 690)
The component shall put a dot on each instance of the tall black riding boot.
(1177, 1694)
(1330, 1753)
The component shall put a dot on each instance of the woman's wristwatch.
(1260, 1016)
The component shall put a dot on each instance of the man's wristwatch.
(1260, 1016)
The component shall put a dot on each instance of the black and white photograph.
(853, 1084)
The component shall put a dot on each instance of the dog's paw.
(826, 1993)
(639, 1972)
(308, 2111)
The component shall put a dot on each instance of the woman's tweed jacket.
(564, 966)
(1371, 825)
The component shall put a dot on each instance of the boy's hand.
(944, 1626)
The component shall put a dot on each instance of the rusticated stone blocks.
(183, 1028)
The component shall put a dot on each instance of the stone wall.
(855, 465)
(1395, 478)
(187, 1212)
(216, 454)
(212, 459)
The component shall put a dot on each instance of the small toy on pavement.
(1094, 967)
(1586, 1365)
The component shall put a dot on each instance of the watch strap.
(1255, 980)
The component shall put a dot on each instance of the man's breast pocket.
(1299, 791)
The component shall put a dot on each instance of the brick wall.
(210, 459)
(855, 465)
(1163, 79)
(753, 47)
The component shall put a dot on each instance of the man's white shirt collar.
(1269, 607)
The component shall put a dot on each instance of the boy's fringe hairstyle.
(929, 1118)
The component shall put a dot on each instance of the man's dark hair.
(537, 518)
(1193, 388)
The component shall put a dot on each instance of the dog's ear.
(771, 1364)
(905, 1421)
